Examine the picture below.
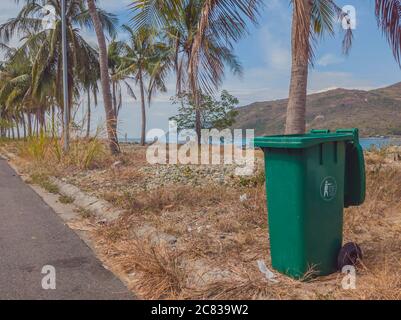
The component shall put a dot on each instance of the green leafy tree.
(214, 114)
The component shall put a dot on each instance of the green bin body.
(309, 180)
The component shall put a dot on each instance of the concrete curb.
(101, 209)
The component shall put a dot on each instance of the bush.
(83, 153)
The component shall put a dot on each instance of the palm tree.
(145, 58)
(15, 91)
(311, 19)
(203, 33)
(111, 119)
(46, 49)
(388, 13)
(13, 85)
(229, 24)
(116, 51)
(89, 80)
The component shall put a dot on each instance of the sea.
(366, 143)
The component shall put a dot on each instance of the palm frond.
(388, 13)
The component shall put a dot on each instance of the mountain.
(374, 112)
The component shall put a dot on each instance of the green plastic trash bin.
(309, 180)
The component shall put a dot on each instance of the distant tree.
(145, 58)
(217, 114)
(115, 55)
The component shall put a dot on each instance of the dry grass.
(161, 275)
(66, 199)
(42, 179)
(158, 274)
(218, 230)
(84, 154)
(215, 226)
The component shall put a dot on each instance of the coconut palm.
(203, 33)
(16, 94)
(46, 48)
(111, 118)
(89, 81)
(15, 88)
(388, 13)
(116, 51)
(311, 20)
(145, 59)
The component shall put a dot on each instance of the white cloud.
(323, 81)
(276, 47)
(329, 59)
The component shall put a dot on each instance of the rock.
(154, 236)
(117, 165)
(202, 274)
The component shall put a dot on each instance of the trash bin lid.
(303, 140)
(355, 177)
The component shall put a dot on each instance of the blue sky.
(265, 55)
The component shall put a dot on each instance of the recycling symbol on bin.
(328, 188)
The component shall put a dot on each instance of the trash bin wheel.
(349, 255)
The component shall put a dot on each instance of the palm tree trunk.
(143, 107)
(296, 110)
(192, 69)
(88, 124)
(196, 96)
(43, 120)
(198, 125)
(114, 98)
(29, 118)
(111, 121)
(23, 124)
(53, 122)
(198, 128)
(37, 124)
(17, 128)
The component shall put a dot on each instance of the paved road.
(32, 236)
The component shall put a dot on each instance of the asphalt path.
(39, 252)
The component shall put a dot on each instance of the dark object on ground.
(349, 255)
